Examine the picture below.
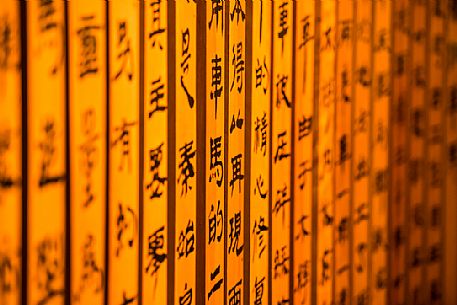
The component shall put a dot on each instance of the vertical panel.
(155, 163)
(343, 140)
(325, 240)
(416, 155)
(46, 155)
(215, 153)
(361, 153)
(87, 92)
(186, 144)
(281, 135)
(10, 153)
(398, 147)
(435, 169)
(123, 152)
(303, 150)
(450, 156)
(236, 149)
(260, 152)
(379, 141)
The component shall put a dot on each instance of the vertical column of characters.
(124, 163)
(10, 153)
(450, 156)
(343, 139)
(379, 145)
(155, 163)
(416, 153)
(46, 153)
(361, 153)
(215, 152)
(303, 151)
(186, 143)
(435, 165)
(281, 134)
(87, 96)
(260, 152)
(398, 148)
(236, 115)
(186, 158)
(325, 202)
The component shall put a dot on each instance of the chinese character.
(126, 300)
(238, 66)
(283, 15)
(186, 241)
(302, 275)
(123, 44)
(258, 187)
(216, 166)
(155, 159)
(305, 37)
(281, 201)
(258, 287)
(304, 127)
(261, 75)
(238, 123)
(325, 267)
(261, 126)
(217, 8)
(236, 174)
(5, 143)
(280, 151)
(216, 81)
(185, 55)
(88, 45)
(186, 299)
(156, 94)
(281, 95)
(5, 43)
(50, 270)
(155, 251)
(48, 150)
(234, 235)
(215, 222)
(186, 167)
(303, 231)
(125, 220)
(124, 138)
(258, 232)
(305, 168)
(281, 261)
(238, 10)
(235, 294)
(92, 275)
(88, 149)
(156, 28)
(218, 284)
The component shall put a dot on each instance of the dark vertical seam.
(270, 165)
(24, 153)
(293, 157)
(171, 185)
(107, 164)
(226, 138)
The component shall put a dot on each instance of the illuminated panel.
(260, 152)
(46, 153)
(281, 135)
(303, 151)
(398, 148)
(379, 140)
(123, 152)
(154, 239)
(87, 91)
(436, 149)
(215, 152)
(186, 159)
(450, 156)
(236, 149)
(10, 154)
(325, 184)
(343, 140)
(361, 154)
